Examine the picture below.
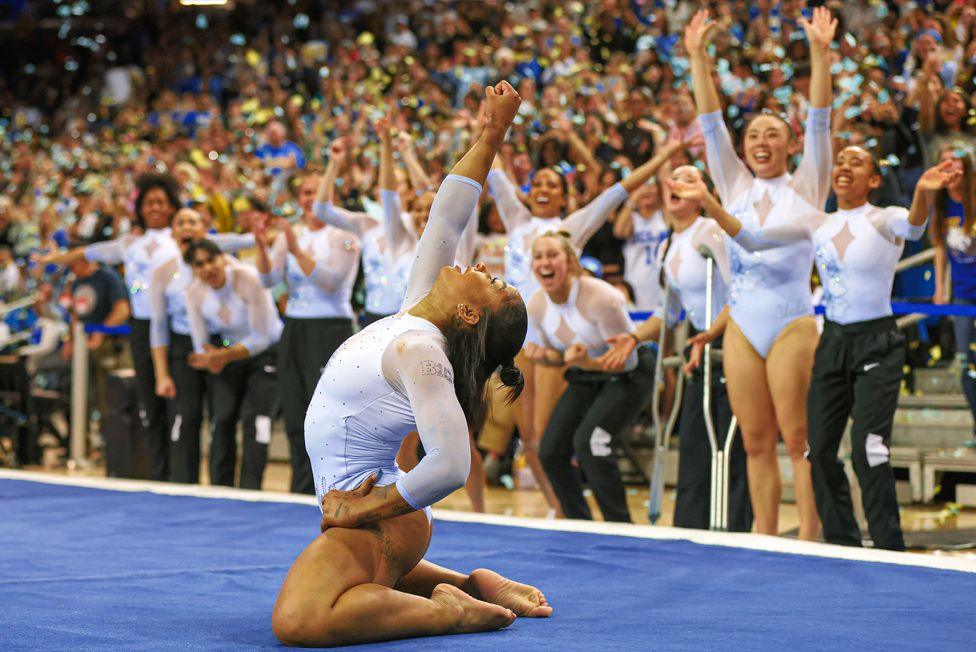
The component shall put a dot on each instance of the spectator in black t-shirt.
(98, 297)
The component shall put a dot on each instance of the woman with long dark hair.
(683, 269)
(425, 368)
(858, 365)
(943, 113)
(953, 235)
(573, 315)
(389, 248)
(141, 254)
(771, 335)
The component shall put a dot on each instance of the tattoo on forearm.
(433, 368)
(395, 509)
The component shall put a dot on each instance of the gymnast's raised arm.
(458, 194)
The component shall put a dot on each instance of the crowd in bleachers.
(259, 116)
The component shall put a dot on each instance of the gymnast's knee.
(295, 624)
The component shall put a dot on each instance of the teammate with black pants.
(693, 502)
(859, 363)
(183, 386)
(318, 263)
(141, 254)
(683, 269)
(228, 299)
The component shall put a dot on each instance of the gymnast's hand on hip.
(346, 508)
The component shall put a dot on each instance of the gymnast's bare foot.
(473, 615)
(524, 600)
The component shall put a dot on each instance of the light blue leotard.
(770, 288)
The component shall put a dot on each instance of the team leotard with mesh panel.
(170, 282)
(594, 312)
(141, 255)
(685, 271)
(770, 289)
(523, 228)
(856, 252)
(327, 291)
(241, 311)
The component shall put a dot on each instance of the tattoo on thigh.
(434, 368)
(387, 553)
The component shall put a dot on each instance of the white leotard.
(523, 227)
(394, 377)
(241, 312)
(771, 288)
(141, 255)
(685, 270)
(170, 282)
(856, 253)
(641, 268)
(593, 312)
(327, 291)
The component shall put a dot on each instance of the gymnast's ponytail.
(511, 377)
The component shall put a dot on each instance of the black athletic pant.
(693, 503)
(587, 421)
(244, 390)
(857, 373)
(305, 348)
(185, 411)
(152, 408)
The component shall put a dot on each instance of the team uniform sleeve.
(752, 239)
(608, 310)
(396, 231)
(535, 309)
(159, 320)
(730, 174)
(425, 375)
(194, 314)
(341, 218)
(110, 252)
(279, 256)
(812, 177)
(438, 246)
(896, 223)
(510, 208)
(669, 307)
(231, 243)
(583, 223)
(713, 237)
(264, 326)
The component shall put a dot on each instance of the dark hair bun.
(511, 376)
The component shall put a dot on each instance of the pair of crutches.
(719, 487)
